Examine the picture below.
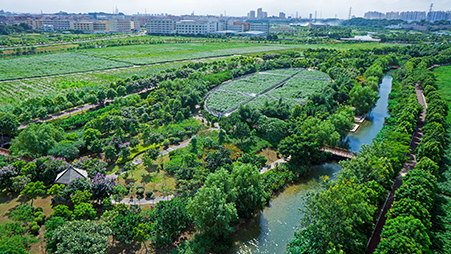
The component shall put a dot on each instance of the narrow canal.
(270, 231)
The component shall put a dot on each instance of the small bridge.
(339, 153)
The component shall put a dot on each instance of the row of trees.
(408, 226)
(341, 217)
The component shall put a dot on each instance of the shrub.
(35, 229)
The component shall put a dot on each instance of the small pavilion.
(70, 174)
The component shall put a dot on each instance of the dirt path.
(409, 165)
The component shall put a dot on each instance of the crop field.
(15, 91)
(298, 88)
(295, 90)
(313, 74)
(254, 84)
(159, 53)
(221, 101)
(260, 101)
(288, 72)
(53, 64)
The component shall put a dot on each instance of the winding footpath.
(409, 165)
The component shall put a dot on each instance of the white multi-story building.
(58, 24)
(120, 25)
(197, 27)
(161, 26)
(261, 27)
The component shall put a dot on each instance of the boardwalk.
(339, 152)
(409, 165)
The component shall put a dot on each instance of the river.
(273, 227)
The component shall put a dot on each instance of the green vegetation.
(149, 54)
(253, 84)
(54, 64)
(222, 101)
(147, 139)
(298, 88)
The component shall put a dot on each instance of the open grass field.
(296, 90)
(158, 53)
(443, 75)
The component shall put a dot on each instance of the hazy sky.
(324, 8)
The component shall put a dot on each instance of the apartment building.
(58, 24)
(191, 27)
(161, 26)
(120, 25)
(261, 27)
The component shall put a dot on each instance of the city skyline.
(324, 9)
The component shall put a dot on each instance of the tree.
(246, 180)
(61, 211)
(67, 151)
(84, 237)
(101, 96)
(8, 124)
(32, 190)
(110, 152)
(171, 217)
(213, 214)
(80, 196)
(37, 140)
(92, 98)
(84, 211)
(142, 234)
(404, 235)
(363, 99)
(123, 220)
(341, 215)
(302, 148)
(90, 135)
(111, 93)
(121, 91)
(222, 136)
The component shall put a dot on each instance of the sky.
(324, 8)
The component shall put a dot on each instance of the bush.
(39, 220)
(35, 229)
(149, 194)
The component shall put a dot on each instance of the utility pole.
(430, 13)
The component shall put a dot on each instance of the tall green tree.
(33, 190)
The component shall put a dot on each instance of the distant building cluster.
(409, 15)
(205, 25)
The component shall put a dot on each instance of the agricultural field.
(260, 101)
(15, 91)
(254, 84)
(288, 72)
(313, 74)
(221, 101)
(53, 64)
(159, 53)
(298, 88)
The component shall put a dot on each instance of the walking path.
(409, 165)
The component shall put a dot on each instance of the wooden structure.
(339, 153)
